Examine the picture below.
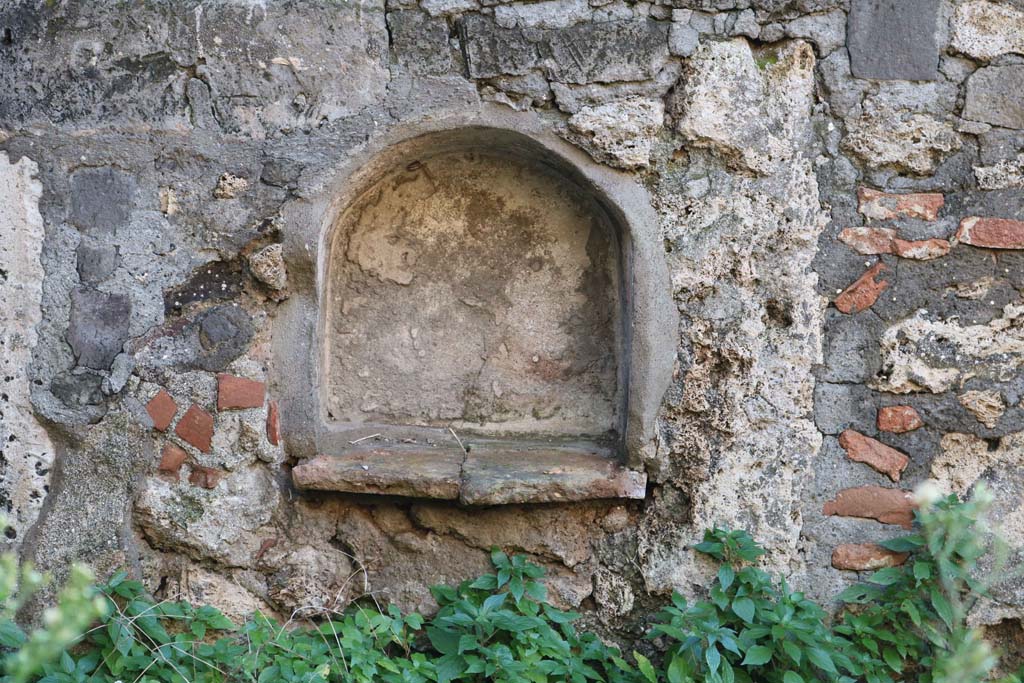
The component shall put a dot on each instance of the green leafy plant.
(752, 628)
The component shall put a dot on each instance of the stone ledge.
(486, 476)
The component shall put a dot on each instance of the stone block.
(995, 94)
(420, 41)
(893, 39)
(96, 262)
(631, 50)
(98, 327)
(101, 200)
(985, 30)
(224, 334)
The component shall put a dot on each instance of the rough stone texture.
(995, 95)
(873, 453)
(191, 167)
(893, 39)
(26, 451)
(865, 557)
(913, 358)
(899, 419)
(98, 327)
(494, 307)
(619, 133)
(985, 29)
(747, 115)
(986, 406)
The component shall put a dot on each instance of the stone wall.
(839, 189)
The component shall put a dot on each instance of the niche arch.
(493, 311)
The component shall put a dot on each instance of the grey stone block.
(98, 327)
(224, 334)
(96, 262)
(101, 199)
(893, 39)
(843, 406)
(995, 94)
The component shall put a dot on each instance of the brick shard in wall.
(899, 419)
(992, 233)
(196, 428)
(161, 409)
(885, 206)
(863, 293)
(236, 393)
(862, 557)
(874, 453)
(888, 506)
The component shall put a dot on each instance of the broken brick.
(234, 393)
(885, 206)
(888, 506)
(205, 477)
(874, 453)
(863, 293)
(273, 424)
(993, 233)
(863, 557)
(161, 409)
(172, 457)
(920, 250)
(196, 428)
(899, 419)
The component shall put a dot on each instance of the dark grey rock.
(851, 347)
(98, 327)
(96, 262)
(995, 94)
(78, 390)
(495, 51)
(842, 406)
(420, 41)
(281, 172)
(606, 52)
(101, 200)
(893, 39)
(224, 334)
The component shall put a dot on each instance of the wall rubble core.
(840, 215)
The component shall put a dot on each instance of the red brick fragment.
(172, 457)
(196, 428)
(864, 557)
(920, 250)
(161, 409)
(273, 424)
(873, 453)
(888, 506)
(869, 241)
(205, 477)
(234, 393)
(899, 419)
(992, 233)
(863, 293)
(885, 206)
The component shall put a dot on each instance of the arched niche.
(494, 324)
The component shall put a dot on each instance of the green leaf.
(793, 650)
(744, 609)
(726, 575)
(11, 634)
(757, 655)
(903, 544)
(821, 659)
(887, 576)
(792, 677)
(713, 657)
(893, 659)
(922, 570)
(66, 663)
(942, 607)
(678, 670)
(646, 668)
